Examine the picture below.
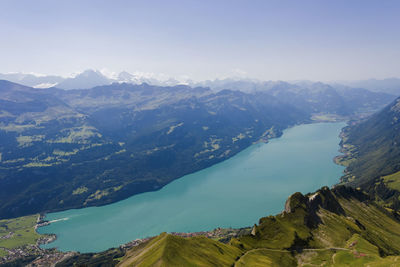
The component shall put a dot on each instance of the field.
(392, 181)
(17, 232)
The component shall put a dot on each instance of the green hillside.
(169, 250)
(332, 227)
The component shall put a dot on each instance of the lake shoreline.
(267, 140)
(261, 140)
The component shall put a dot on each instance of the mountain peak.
(125, 76)
(85, 80)
(89, 72)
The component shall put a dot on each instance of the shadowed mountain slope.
(374, 145)
(82, 148)
(372, 155)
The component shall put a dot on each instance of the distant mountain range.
(314, 97)
(91, 78)
(85, 80)
(32, 80)
(390, 85)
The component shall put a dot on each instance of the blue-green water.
(235, 193)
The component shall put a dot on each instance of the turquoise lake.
(234, 193)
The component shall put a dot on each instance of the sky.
(204, 39)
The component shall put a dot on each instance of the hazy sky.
(204, 39)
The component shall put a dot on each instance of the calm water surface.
(235, 193)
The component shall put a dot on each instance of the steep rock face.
(311, 203)
(295, 201)
(323, 198)
(346, 192)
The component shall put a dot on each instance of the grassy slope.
(169, 250)
(392, 181)
(264, 257)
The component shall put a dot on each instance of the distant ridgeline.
(372, 157)
(64, 149)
